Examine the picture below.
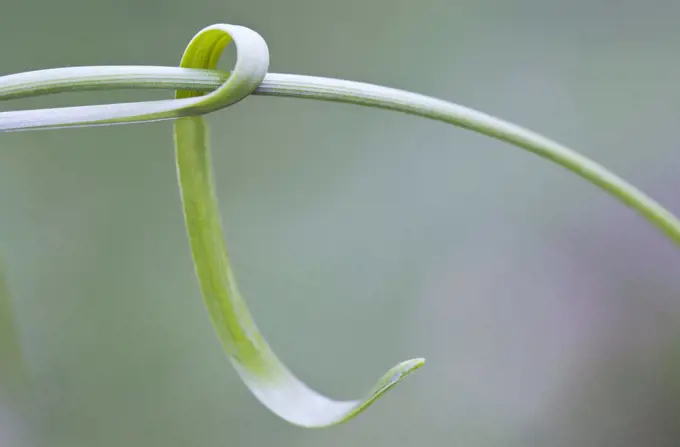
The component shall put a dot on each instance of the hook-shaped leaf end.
(260, 369)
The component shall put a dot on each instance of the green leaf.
(269, 379)
(264, 374)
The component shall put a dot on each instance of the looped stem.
(269, 379)
(264, 374)
(251, 67)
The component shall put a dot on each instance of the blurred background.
(546, 310)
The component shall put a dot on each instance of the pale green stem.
(268, 378)
(336, 90)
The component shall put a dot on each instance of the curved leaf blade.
(266, 376)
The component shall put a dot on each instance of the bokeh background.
(547, 311)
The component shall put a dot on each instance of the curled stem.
(60, 80)
(266, 376)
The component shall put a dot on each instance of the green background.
(547, 311)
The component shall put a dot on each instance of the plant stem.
(335, 90)
(266, 376)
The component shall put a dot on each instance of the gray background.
(546, 310)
